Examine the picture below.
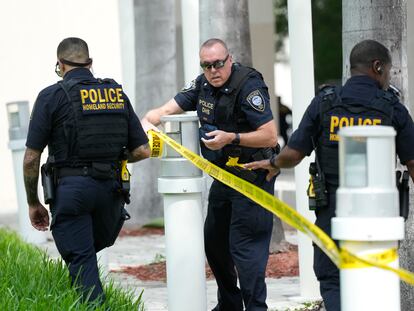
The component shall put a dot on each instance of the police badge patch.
(189, 86)
(256, 100)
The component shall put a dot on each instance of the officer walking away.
(232, 103)
(91, 132)
(365, 99)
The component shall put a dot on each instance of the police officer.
(86, 124)
(365, 99)
(232, 103)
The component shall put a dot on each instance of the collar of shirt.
(78, 73)
(360, 87)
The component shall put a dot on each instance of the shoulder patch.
(256, 100)
(189, 86)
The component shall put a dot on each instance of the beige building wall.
(30, 32)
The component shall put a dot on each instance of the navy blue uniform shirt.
(51, 109)
(188, 99)
(356, 89)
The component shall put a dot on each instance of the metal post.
(181, 184)
(18, 117)
(301, 60)
(367, 216)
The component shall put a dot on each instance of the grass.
(30, 280)
(155, 223)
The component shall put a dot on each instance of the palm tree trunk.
(155, 83)
(386, 22)
(227, 20)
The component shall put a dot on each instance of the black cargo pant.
(325, 270)
(237, 234)
(87, 217)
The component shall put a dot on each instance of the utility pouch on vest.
(316, 191)
(48, 183)
(403, 191)
(208, 154)
(101, 170)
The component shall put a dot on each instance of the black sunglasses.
(217, 64)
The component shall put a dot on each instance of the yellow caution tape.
(234, 162)
(349, 261)
(341, 258)
(156, 145)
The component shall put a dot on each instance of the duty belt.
(92, 171)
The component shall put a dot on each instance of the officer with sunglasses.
(232, 103)
(90, 128)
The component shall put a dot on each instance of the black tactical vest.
(227, 114)
(97, 125)
(335, 114)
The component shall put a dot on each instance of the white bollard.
(367, 217)
(182, 184)
(18, 116)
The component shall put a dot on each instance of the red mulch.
(280, 264)
(141, 231)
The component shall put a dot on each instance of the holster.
(245, 174)
(124, 176)
(403, 192)
(48, 183)
(316, 192)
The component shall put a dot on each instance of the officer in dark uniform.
(232, 103)
(89, 127)
(365, 99)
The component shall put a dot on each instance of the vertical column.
(191, 38)
(301, 60)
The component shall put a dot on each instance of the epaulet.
(325, 90)
(394, 91)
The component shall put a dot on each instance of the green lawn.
(30, 280)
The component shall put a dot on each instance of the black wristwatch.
(236, 139)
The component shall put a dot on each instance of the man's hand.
(219, 139)
(264, 164)
(39, 217)
(146, 125)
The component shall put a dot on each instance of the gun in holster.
(403, 192)
(48, 182)
(316, 191)
(125, 176)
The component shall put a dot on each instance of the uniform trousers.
(325, 270)
(86, 217)
(237, 235)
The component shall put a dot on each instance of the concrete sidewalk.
(134, 251)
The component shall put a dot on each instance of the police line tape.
(342, 258)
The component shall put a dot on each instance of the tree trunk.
(386, 22)
(155, 59)
(229, 21)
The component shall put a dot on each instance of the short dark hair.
(74, 50)
(365, 52)
(212, 41)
